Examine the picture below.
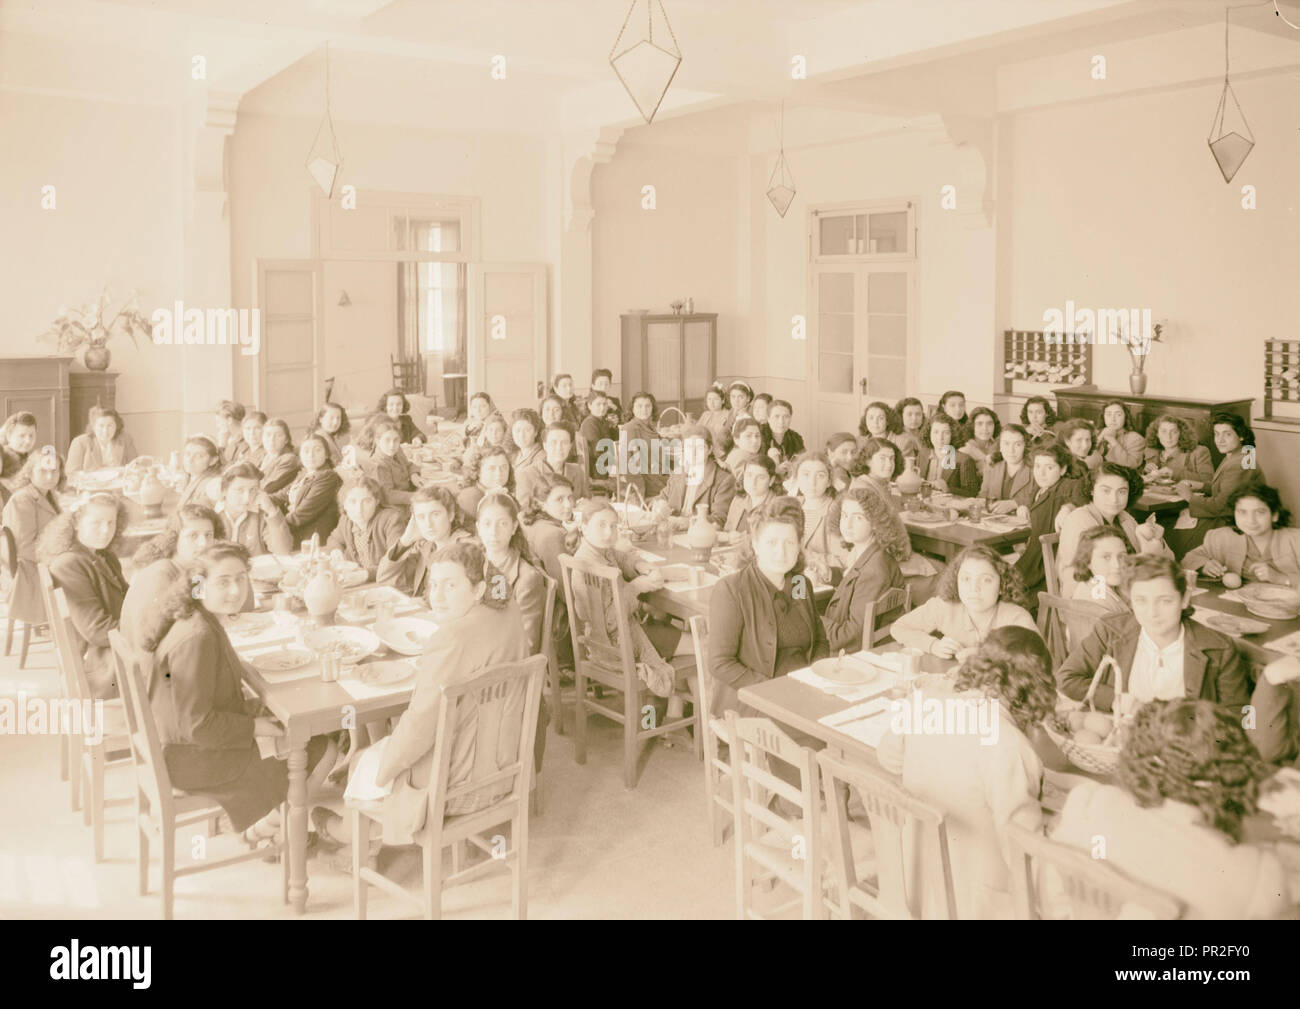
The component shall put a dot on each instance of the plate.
(924, 518)
(845, 671)
(406, 635)
(265, 568)
(282, 660)
(1272, 611)
(247, 625)
(1256, 592)
(1226, 623)
(351, 643)
(386, 673)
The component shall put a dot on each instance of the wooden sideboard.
(59, 397)
(1087, 402)
(672, 357)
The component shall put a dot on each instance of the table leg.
(298, 826)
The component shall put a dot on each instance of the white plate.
(1260, 593)
(353, 643)
(265, 568)
(845, 670)
(406, 635)
(248, 625)
(386, 673)
(1227, 623)
(282, 660)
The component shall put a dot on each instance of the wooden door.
(288, 371)
(509, 331)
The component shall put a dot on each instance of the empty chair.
(161, 810)
(899, 822)
(498, 762)
(598, 659)
(717, 770)
(881, 614)
(1092, 889)
(768, 844)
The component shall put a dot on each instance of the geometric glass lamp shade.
(780, 187)
(324, 159)
(1230, 138)
(645, 64)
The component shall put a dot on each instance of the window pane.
(886, 376)
(887, 334)
(835, 373)
(889, 232)
(426, 233)
(836, 235)
(887, 293)
(837, 334)
(698, 377)
(836, 293)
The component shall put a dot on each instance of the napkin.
(865, 722)
(361, 786)
(650, 558)
(1283, 670)
(705, 580)
(1185, 520)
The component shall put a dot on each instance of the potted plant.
(1139, 347)
(92, 327)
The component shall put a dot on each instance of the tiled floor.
(597, 850)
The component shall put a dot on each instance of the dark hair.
(547, 481)
(837, 439)
(776, 511)
(1083, 553)
(862, 461)
(20, 419)
(99, 411)
(288, 436)
(1014, 429)
(1128, 420)
(60, 535)
(163, 545)
(345, 425)
(532, 417)
(873, 506)
(1131, 476)
(179, 600)
(375, 425)
(743, 425)
(892, 423)
(550, 396)
(500, 499)
(1150, 567)
(486, 397)
(556, 381)
(939, 417)
(743, 386)
(720, 389)
(382, 405)
(231, 410)
(755, 459)
(696, 431)
(1051, 448)
(1196, 752)
(983, 411)
(205, 443)
(367, 483)
(1011, 589)
(1239, 426)
(319, 440)
(944, 398)
(781, 402)
(260, 417)
(441, 495)
(906, 402)
(654, 403)
(560, 425)
(821, 458)
(35, 458)
(474, 463)
(1186, 436)
(766, 397)
(1266, 495)
(1012, 666)
(602, 373)
(469, 555)
(1077, 424)
(1049, 415)
(240, 471)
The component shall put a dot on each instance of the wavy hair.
(532, 418)
(1186, 436)
(1264, 494)
(443, 496)
(893, 425)
(1049, 414)
(500, 499)
(365, 483)
(1083, 557)
(1128, 418)
(1243, 430)
(345, 425)
(1134, 479)
(1014, 667)
(878, 513)
(818, 457)
(319, 440)
(654, 404)
(36, 458)
(60, 535)
(382, 405)
(1011, 588)
(1014, 429)
(1196, 752)
(469, 556)
(119, 425)
(477, 456)
(178, 600)
(535, 506)
(775, 511)
(1077, 424)
(862, 461)
(941, 418)
(906, 402)
(983, 411)
(163, 546)
(283, 425)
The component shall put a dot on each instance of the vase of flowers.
(1139, 348)
(92, 326)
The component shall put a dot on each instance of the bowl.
(1272, 610)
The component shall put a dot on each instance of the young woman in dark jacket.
(312, 499)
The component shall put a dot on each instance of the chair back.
(789, 849)
(492, 718)
(880, 614)
(590, 590)
(1048, 542)
(407, 375)
(71, 663)
(1064, 623)
(1094, 890)
(8, 552)
(133, 668)
(717, 772)
(900, 824)
(548, 625)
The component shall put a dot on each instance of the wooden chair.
(551, 675)
(898, 821)
(69, 743)
(880, 615)
(717, 771)
(9, 569)
(600, 661)
(1095, 890)
(511, 687)
(407, 375)
(767, 844)
(160, 809)
(1063, 623)
(1048, 542)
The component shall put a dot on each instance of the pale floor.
(596, 851)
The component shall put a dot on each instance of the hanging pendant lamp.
(324, 160)
(645, 66)
(780, 187)
(1230, 137)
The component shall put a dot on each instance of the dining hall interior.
(623, 460)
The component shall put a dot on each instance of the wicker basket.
(1096, 759)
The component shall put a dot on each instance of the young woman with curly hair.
(984, 773)
(157, 563)
(558, 458)
(1110, 489)
(1208, 505)
(910, 412)
(201, 461)
(1048, 461)
(311, 501)
(947, 468)
(1008, 483)
(1188, 777)
(1258, 546)
(1173, 452)
(1117, 441)
(105, 442)
(1038, 417)
(398, 408)
(1100, 569)
(869, 570)
(982, 432)
(33, 506)
(878, 421)
(436, 521)
(367, 527)
(1080, 438)
(280, 464)
(80, 549)
(525, 434)
(489, 470)
(977, 593)
(331, 424)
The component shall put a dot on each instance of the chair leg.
(9, 636)
(360, 829)
(27, 641)
(141, 849)
(168, 870)
(96, 803)
(519, 880)
(64, 752)
(284, 850)
(433, 876)
(557, 702)
(631, 745)
(579, 718)
(87, 786)
(75, 750)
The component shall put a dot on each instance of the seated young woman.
(229, 417)
(549, 524)
(653, 642)
(398, 408)
(702, 481)
(952, 405)
(977, 592)
(1038, 418)
(1052, 492)
(910, 436)
(436, 522)
(1164, 653)
(1172, 451)
(1100, 568)
(757, 477)
(1008, 483)
(488, 470)
(871, 471)
(104, 443)
(1176, 824)
(479, 409)
(367, 528)
(558, 449)
(202, 464)
(207, 727)
(562, 389)
(746, 442)
(17, 440)
(249, 448)
(159, 561)
(812, 478)
(1117, 441)
(1275, 729)
(595, 433)
(331, 425)
(740, 395)
(1235, 441)
(714, 415)
(784, 443)
(869, 570)
(387, 464)
(1259, 545)
(841, 452)
(280, 463)
(1078, 436)
(525, 433)
(249, 516)
(1109, 489)
(984, 430)
(601, 379)
(643, 448)
(879, 460)
(79, 547)
(33, 505)
(312, 499)
(946, 468)
(878, 421)
(759, 410)
(762, 620)
(989, 776)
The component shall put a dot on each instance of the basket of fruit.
(1090, 739)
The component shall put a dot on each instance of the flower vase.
(701, 536)
(96, 357)
(1137, 382)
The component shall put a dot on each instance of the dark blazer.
(871, 575)
(594, 430)
(95, 587)
(279, 472)
(1213, 670)
(260, 534)
(193, 493)
(528, 478)
(312, 502)
(393, 474)
(1042, 520)
(385, 530)
(1022, 484)
(789, 445)
(11, 464)
(406, 567)
(409, 430)
(716, 491)
(1229, 475)
(26, 514)
(742, 634)
(963, 479)
(642, 457)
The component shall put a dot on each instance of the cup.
(1191, 580)
(384, 611)
(911, 663)
(977, 509)
(329, 667)
(694, 576)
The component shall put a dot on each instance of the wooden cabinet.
(672, 357)
(87, 389)
(38, 385)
